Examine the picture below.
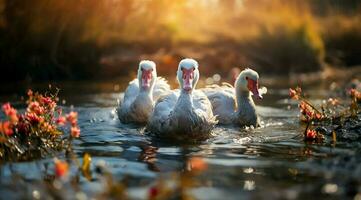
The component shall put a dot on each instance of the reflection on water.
(267, 162)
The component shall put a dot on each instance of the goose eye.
(182, 68)
(141, 69)
(194, 68)
(246, 77)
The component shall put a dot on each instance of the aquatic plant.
(332, 118)
(38, 131)
(308, 111)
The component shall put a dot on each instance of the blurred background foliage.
(105, 39)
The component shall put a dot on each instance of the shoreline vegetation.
(39, 131)
(45, 40)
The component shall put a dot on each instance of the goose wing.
(126, 100)
(203, 109)
(161, 88)
(223, 101)
(201, 104)
(131, 92)
(160, 119)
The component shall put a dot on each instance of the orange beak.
(188, 75)
(146, 78)
(253, 87)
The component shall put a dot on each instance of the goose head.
(147, 75)
(187, 74)
(247, 81)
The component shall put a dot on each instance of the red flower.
(10, 112)
(61, 168)
(30, 93)
(36, 108)
(59, 111)
(75, 131)
(33, 118)
(303, 106)
(6, 108)
(309, 113)
(355, 94)
(293, 94)
(47, 101)
(61, 121)
(311, 134)
(6, 128)
(72, 118)
(318, 116)
(153, 192)
(352, 92)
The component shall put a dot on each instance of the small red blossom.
(75, 131)
(352, 92)
(59, 111)
(318, 116)
(36, 108)
(72, 118)
(6, 128)
(49, 102)
(61, 168)
(33, 118)
(308, 112)
(293, 94)
(10, 112)
(30, 93)
(311, 134)
(61, 121)
(153, 192)
(355, 94)
(46, 100)
(6, 108)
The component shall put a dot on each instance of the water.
(264, 163)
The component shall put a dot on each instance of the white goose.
(234, 105)
(184, 112)
(139, 97)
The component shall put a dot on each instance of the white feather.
(181, 113)
(137, 103)
(235, 105)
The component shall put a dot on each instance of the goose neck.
(146, 92)
(243, 97)
(185, 100)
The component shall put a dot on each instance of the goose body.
(234, 105)
(138, 101)
(186, 111)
